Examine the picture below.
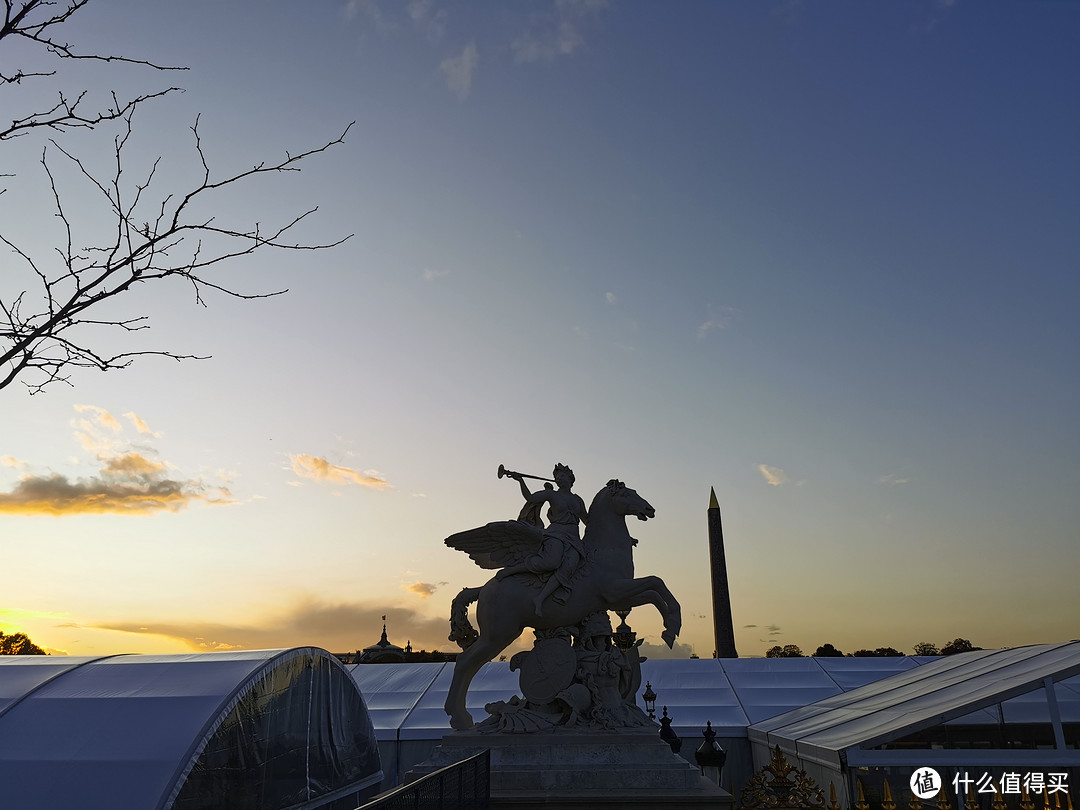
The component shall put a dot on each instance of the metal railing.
(465, 785)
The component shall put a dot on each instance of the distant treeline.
(957, 645)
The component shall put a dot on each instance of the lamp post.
(649, 696)
(710, 756)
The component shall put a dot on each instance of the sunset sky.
(822, 257)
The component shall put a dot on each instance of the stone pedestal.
(581, 769)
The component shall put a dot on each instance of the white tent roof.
(406, 700)
(963, 688)
(101, 732)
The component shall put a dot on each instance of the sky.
(821, 257)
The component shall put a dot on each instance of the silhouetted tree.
(48, 328)
(880, 652)
(18, 644)
(926, 648)
(787, 651)
(959, 645)
(827, 651)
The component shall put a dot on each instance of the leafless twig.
(49, 328)
(52, 337)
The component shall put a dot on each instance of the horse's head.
(623, 501)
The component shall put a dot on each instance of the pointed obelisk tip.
(713, 504)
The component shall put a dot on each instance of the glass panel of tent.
(126, 730)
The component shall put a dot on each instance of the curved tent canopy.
(269, 728)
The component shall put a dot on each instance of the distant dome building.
(383, 652)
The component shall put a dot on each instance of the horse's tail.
(461, 629)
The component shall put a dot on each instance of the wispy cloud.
(140, 425)
(11, 461)
(100, 416)
(423, 589)
(610, 298)
(431, 273)
(128, 482)
(558, 32)
(371, 10)
(772, 632)
(892, 479)
(719, 318)
(339, 627)
(99, 432)
(320, 469)
(431, 22)
(423, 15)
(458, 71)
(773, 475)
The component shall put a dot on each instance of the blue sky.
(821, 257)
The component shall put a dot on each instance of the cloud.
(140, 425)
(661, 651)
(773, 475)
(557, 33)
(430, 273)
(129, 485)
(892, 479)
(610, 297)
(11, 461)
(371, 10)
(707, 327)
(423, 589)
(101, 417)
(338, 627)
(132, 465)
(719, 318)
(428, 21)
(458, 70)
(320, 469)
(99, 433)
(423, 15)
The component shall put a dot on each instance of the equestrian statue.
(556, 581)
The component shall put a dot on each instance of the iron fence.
(465, 785)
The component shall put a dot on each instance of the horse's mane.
(612, 486)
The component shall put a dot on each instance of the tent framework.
(903, 722)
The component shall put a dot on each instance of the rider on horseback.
(562, 550)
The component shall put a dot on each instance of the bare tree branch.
(52, 327)
(53, 339)
(34, 22)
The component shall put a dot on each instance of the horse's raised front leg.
(649, 590)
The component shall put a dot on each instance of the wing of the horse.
(496, 545)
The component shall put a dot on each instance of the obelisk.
(722, 626)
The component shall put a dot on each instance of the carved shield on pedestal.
(548, 670)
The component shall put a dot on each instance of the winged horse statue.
(604, 580)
